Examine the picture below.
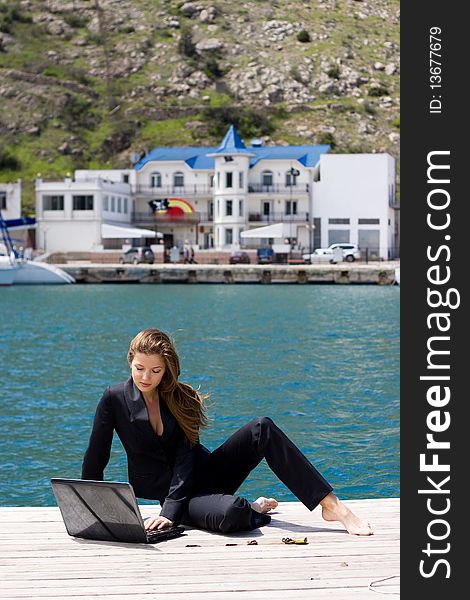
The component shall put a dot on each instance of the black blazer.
(160, 468)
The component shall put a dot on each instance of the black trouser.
(215, 507)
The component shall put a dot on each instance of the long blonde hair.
(185, 403)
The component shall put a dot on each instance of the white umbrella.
(276, 231)
(116, 232)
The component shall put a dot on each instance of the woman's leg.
(223, 513)
(233, 461)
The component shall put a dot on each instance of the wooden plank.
(39, 560)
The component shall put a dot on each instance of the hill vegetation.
(86, 83)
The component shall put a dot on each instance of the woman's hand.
(157, 523)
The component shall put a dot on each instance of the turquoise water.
(321, 361)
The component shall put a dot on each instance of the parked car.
(334, 252)
(351, 252)
(320, 255)
(138, 254)
(264, 255)
(239, 257)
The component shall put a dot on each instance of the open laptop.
(105, 510)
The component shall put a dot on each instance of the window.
(113, 200)
(229, 179)
(3, 200)
(266, 209)
(228, 236)
(53, 202)
(368, 221)
(156, 180)
(241, 181)
(218, 180)
(240, 208)
(105, 202)
(211, 209)
(178, 179)
(317, 232)
(125, 206)
(211, 181)
(125, 178)
(218, 208)
(119, 204)
(338, 236)
(291, 207)
(228, 208)
(82, 202)
(267, 178)
(338, 222)
(291, 177)
(369, 242)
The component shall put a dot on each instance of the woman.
(158, 419)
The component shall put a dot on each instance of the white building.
(209, 196)
(354, 201)
(10, 200)
(80, 215)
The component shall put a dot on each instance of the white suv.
(350, 252)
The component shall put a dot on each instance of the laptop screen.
(99, 510)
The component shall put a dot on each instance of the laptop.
(105, 510)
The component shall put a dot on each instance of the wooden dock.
(39, 560)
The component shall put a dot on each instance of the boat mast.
(6, 237)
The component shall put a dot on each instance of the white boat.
(397, 275)
(32, 272)
(8, 269)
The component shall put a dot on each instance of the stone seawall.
(344, 273)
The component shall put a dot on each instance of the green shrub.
(327, 138)
(212, 69)
(8, 161)
(250, 122)
(295, 74)
(303, 36)
(370, 108)
(94, 38)
(12, 12)
(76, 113)
(127, 29)
(396, 122)
(76, 21)
(377, 91)
(334, 72)
(186, 46)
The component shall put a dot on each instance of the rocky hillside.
(85, 83)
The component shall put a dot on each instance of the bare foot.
(334, 510)
(264, 505)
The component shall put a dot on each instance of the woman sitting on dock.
(158, 419)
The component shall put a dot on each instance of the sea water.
(321, 360)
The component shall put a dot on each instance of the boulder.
(210, 45)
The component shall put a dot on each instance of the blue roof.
(232, 143)
(198, 158)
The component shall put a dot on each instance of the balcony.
(259, 188)
(278, 217)
(170, 190)
(145, 219)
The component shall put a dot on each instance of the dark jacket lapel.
(138, 411)
(135, 403)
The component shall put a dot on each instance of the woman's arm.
(99, 447)
(181, 483)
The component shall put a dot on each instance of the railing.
(206, 190)
(278, 217)
(144, 218)
(277, 188)
(171, 190)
